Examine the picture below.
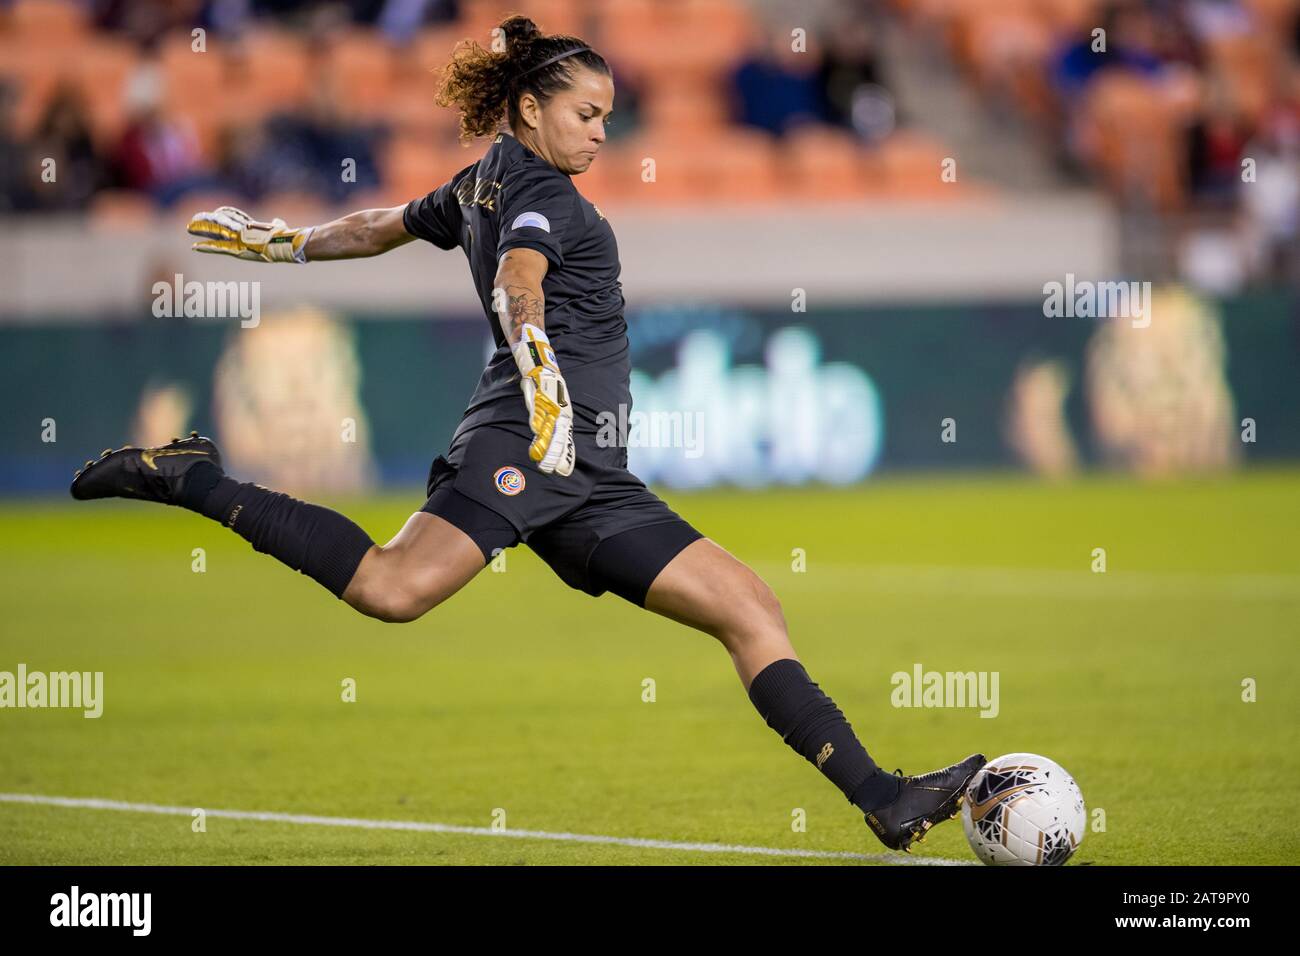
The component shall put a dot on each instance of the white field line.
(976, 581)
(90, 803)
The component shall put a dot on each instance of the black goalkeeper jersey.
(513, 198)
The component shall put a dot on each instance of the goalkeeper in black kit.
(525, 464)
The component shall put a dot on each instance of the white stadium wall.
(976, 250)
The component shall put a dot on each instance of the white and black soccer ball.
(1023, 810)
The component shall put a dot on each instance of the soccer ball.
(1023, 810)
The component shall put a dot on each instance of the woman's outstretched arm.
(358, 235)
(233, 232)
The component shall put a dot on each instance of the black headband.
(554, 59)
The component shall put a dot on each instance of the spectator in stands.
(1131, 36)
(1216, 142)
(17, 168)
(1272, 202)
(849, 64)
(63, 135)
(146, 21)
(156, 154)
(400, 19)
(283, 8)
(852, 90)
(1175, 40)
(305, 148)
(243, 161)
(778, 87)
(226, 18)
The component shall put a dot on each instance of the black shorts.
(600, 529)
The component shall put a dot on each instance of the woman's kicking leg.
(707, 588)
(429, 560)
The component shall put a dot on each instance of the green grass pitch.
(223, 688)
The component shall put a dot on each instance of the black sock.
(322, 544)
(808, 720)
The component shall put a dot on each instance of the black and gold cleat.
(922, 802)
(151, 474)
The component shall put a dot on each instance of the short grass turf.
(521, 697)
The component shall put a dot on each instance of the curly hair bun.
(485, 85)
(520, 32)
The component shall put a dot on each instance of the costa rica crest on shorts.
(509, 480)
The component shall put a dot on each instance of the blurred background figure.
(158, 153)
(63, 135)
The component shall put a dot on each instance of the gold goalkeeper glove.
(547, 397)
(233, 232)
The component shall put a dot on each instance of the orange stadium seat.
(698, 55)
(615, 177)
(551, 16)
(277, 64)
(102, 69)
(1009, 54)
(729, 165)
(451, 157)
(234, 85)
(189, 76)
(49, 20)
(600, 183)
(740, 165)
(412, 112)
(910, 164)
(1248, 64)
(624, 164)
(431, 48)
(629, 33)
(478, 17)
(413, 168)
(363, 67)
(704, 38)
(823, 162)
(34, 77)
(1275, 15)
(1132, 136)
(682, 104)
(96, 67)
(1071, 16)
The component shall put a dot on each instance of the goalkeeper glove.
(547, 397)
(233, 232)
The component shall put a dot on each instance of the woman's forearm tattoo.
(522, 305)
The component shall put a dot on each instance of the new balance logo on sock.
(825, 754)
